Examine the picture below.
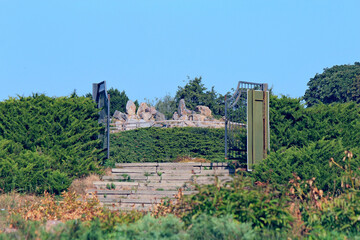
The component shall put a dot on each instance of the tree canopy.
(195, 93)
(118, 100)
(340, 83)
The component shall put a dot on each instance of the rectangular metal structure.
(258, 138)
(102, 99)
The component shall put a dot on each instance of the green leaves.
(118, 100)
(264, 207)
(167, 144)
(335, 84)
(49, 141)
(195, 93)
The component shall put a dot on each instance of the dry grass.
(108, 171)
(15, 200)
(79, 186)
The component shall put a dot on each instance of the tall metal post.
(108, 127)
(226, 123)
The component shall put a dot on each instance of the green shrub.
(332, 235)
(263, 206)
(27, 171)
(47, 142)
(291, 124)
(341, 214)
(207, 227)
(166, 144)
(307, 162)
(169, 227)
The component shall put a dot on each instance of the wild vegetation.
(307, 188)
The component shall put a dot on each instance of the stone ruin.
(148, 116)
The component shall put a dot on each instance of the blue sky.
(149, 48)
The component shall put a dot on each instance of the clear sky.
(148, 48)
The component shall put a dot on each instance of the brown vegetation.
(81, 185)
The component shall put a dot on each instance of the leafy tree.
(166, 105)
(335, 84)
(195, 93)
(118, 100)
(355, 90)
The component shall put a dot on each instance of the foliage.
(224, 227)
(307, 162)
(335, 84)
(166, 144)
(263, 206)
(28, 171)
(166, 105)
(47, 142)
(304, 139)
(168, 227)
(118, 100)
(195, 93)
(291, 124)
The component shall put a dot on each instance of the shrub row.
(46, 142)
(303, 140)
(167, 144)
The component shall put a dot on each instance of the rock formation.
(147, 116)
(130, 108)
(201, 113)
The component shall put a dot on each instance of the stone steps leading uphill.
(141, 185)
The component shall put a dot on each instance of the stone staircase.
(141, 185)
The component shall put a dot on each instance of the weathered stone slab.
(110, 192)
(133, 177)
(172, 164)
(116, 183)
(148, 164)
(134, 170)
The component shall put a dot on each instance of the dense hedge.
(47, 142)
(294, 125)
(166, 144)
(304, 139)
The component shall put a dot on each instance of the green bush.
(208, 227)
(307, 162)
(169, 227)
(291, 124)
(263, 207)
(47, 142)
(167, 144)
(342, 214)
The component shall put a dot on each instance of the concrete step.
(164, 186)
(148, 164)
(134, 170)
(171, 164)
(110, 192)
(138, 186)
(118, 185)
(133, 177)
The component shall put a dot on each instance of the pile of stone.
(201, 113)
(144, 112)
(148, 116)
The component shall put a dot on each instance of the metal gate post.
(257, 127)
